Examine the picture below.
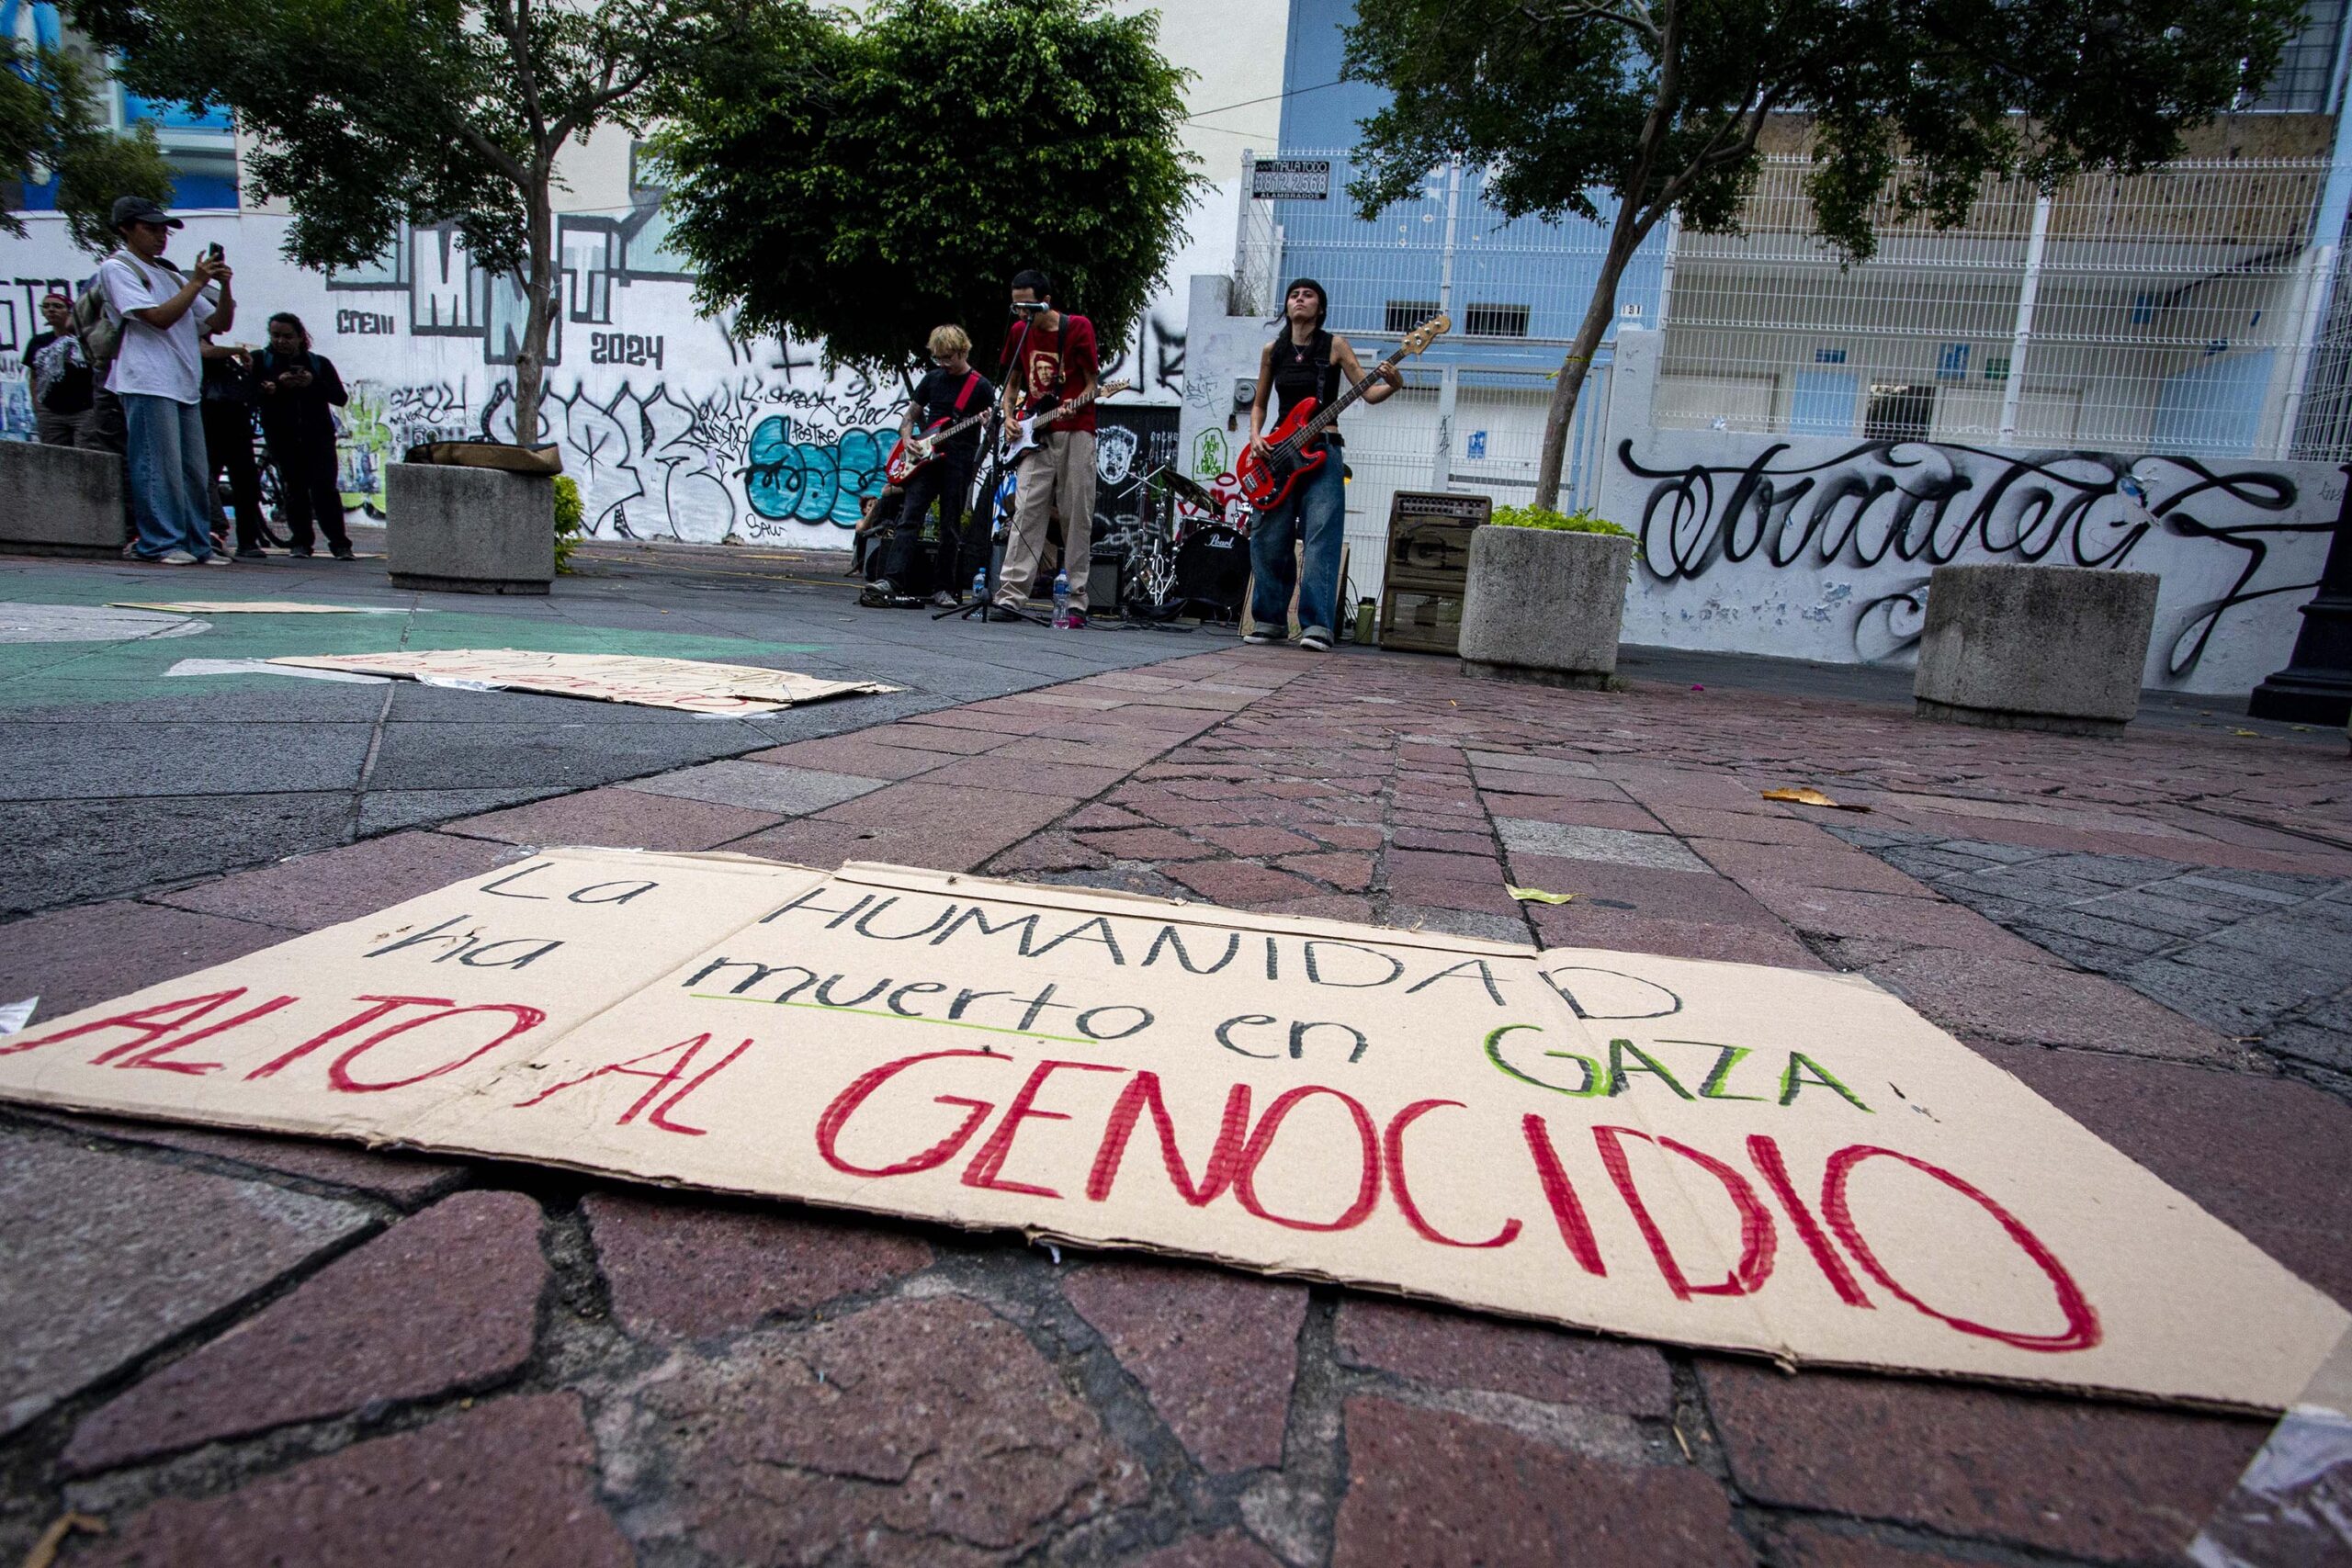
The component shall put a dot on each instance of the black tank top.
(1305, 370)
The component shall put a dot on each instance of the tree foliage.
(372, 113)
(50, 122)
(1658, 105)
(864, 182)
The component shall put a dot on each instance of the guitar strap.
(971, 384)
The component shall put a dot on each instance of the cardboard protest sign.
(1778, 1162)
(690, 684)
(250, 608)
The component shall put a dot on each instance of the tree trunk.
(1575, 367)
(538, 289)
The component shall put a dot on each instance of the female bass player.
(1304, 362)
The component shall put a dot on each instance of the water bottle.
(1061, 599)
(979, 585)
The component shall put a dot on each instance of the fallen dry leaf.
(45, 1550)
(1537, 895)
(1809, 797)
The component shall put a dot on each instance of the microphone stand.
(991, 435)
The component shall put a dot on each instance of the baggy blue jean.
(164, 448)
(1315, 511)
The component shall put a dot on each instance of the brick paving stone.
(1348, 872)
(1452, 842)
(1971, 994)
(2251, 1150)
(75, 958)
(1217, 1352)
(1806, 1545)
(1072, 781)
(405, 1178)
(1584, 924)
(760, 786)
(1621, 814)
(1824, 863)
(862, 755)
(442, 1303)
(1928, 922)
(1471, 922)
(812, 842)
(1050, 851)
(109, 1254)
(1103, 815)
(625, 818)
(1146, 843)
(316, 890)
(925, 1431)
(2067, 1475)
(1428, 1486)
(1769, 826)
(687, 1271)
(1227, 1548)
(1241, 885)
(945, 737)
(1695, 895)
(1505, 788)
(513, 1482)
(995, 721)
(924, 804)
(1349, 836)
(1612, 845)
(1327, 907)
(1455, 1349)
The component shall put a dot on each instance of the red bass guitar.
(1294, 447)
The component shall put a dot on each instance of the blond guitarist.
(1050, 358)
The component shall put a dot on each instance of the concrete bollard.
(457, 530)
(2050, 647)
(60, 501)
(1545, 605)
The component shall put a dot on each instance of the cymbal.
(1189, 490)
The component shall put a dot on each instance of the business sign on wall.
(1291, 179)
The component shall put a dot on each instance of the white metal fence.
(2175, 310)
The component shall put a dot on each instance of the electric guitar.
(1268, 481)
(1021, 434)
(918, 452)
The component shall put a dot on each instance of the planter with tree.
(1545, 597)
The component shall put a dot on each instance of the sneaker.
(300, 552)
(218, 558)
(1315, 641)
(1261, 638)
(1004, 613)
(943, 600)
(344, 552)
(175, 558)
(875, 595)
(251, 555)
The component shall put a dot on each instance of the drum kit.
(1191, 561)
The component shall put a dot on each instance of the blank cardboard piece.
(693, 685)
(1781, 1163)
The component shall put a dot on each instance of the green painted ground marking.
(46, 674)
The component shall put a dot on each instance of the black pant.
(948, 481)
(307, 489)
(229, 443)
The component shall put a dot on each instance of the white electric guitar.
(1019, 435)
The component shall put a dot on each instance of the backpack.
(98, 327)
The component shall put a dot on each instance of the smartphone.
(214, 251)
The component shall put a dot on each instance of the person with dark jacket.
(228, 404)
(297, 389)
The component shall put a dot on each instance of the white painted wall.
(1843, 579)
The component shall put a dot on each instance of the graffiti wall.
(1821, 547)
(675, 426)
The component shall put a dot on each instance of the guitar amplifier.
(1428, 568)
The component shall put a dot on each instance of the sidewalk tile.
(1588, 924)
(686, 1269)
(1826, 863)
(72, 958)
(856, 756)
(511, 1482)
(404, 1177)
(623, 818)
(759, 787)
(2042, 1004)
(444, 1301)
(332, 886)
(1216, 1351)
(2059, 1473)
(110, 1253)
(1427, 1486)
(1455, 1350)
(1238, 884)
(1616, 846)
(1662, 894)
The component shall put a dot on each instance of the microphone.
(1028, 306)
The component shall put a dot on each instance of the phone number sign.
(1291, 179)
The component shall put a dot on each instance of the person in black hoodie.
(297, 388)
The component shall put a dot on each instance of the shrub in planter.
(570, 513)
(458, 529)
(1545, 597)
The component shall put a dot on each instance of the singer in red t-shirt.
(1050, 358)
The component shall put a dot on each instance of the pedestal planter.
(60, 501)
(459, 530)
(1545, 605)
(2035, 647)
